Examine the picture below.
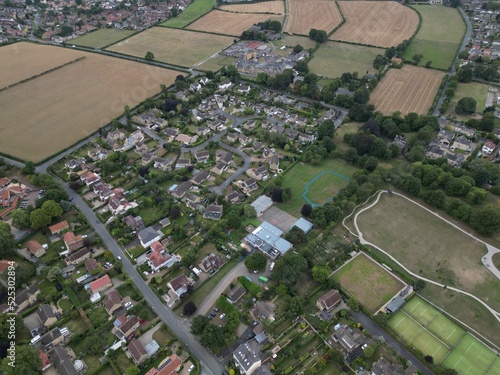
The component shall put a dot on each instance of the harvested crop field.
(228, 23)
(376, 23)
(101, 38)
(178, 47)
(409, 89)
(47, 114)
(276, 7)
(304, 15)
(21, 61)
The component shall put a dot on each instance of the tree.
(53, 273)
(306, 210)
(298, 48)
(466, 106)
(198, 324)
(321, 273)
(318, 36)
(486, 221)
(29, 168)
(428, 64)
(371, 164)
(175, 213)
(233, 220)
(381, 319)
(92, 344)
(212, 336)
(435, 198)
(249, 210)
(361, 95)
(465, 74)
(189, 308)
(417, 58)
(21, 218)
(353, 304)
(429, 359)
(277, 194)
(149, 56)
(27, 361)
(133, 370)
(295, 306)
(256, 261)
(40, 219)
(52, 208)
(369, 351)
(289, 268)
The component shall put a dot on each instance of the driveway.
(147, 337)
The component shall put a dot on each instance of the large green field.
(101, 38)
(300, 174)
(194, 11)
(368, 282)
(216, 63)
(475, 90)
(332, 59)
(439, 36)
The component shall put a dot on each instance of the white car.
(191, 368)
(119, 257)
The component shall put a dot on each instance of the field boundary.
(359, 235)
(314, 179)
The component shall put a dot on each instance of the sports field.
(101, 38)
(216, 63)
(300, 174)
(193, 11)
(434, 321)
(319, 190)
(439, 35)
(478, 91)
(414, 334)
(178, 47)
(368, 282)
(332, 59)
(472, 357)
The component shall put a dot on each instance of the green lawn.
(65, 304)
(368, 282)
(300, 174)
(324, 187)
(475, 90)
(332, 59)
(163, 336)
(293, 40)
(101, 38)
(194, 11)
(439, 35)
(98, 316)
(216, 63)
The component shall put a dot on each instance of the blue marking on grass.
(314, 179)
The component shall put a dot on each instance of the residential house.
(100, 284)
(89, 178)
(223, 156)
(148, 236)
(183, 163)
(202, 156)
(250, 125)
(243, 89)
(243, 139)
(180, 285)
(27, 297)
(200, 177)
(235, 197)
(232, 137)
(344, 91)
(256, 146)
(171, 133)
(262, 311)
(350, 340)
(115, 136)
(211, 262)
(488, 148)
(186, 139)
(125, 326)
(163, 164)
(462, 143)
(219, 168)
(224, 85)
(328, 300)
(250, 185)
(213, 212)
(91, 265)
(46, 315)
(120, 205)
(193, 201)
(35, 248)
(259, 174)
(182, 189)
(52, 338)
(74, 164)
(195, 87)
(103, 190)
(246, 357)
(62, 361)
(165, 222)
(468, 132)
(236, 293)
(59, 227)
(78, 257)
(161, 259)
(204, 80)
(133, 222)
(306, 138)
(445, 137)
(291, 133)
(98, 153)
(137, 352)
(169, 366)
(132, 140)
(277, 129)
(72, 241)
(202, 131)
(267, 152)
(274, 163)
(328, 115)
(384, 367)
(262, 370)
(400, 141)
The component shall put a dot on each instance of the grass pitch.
(318, 191)
(478, 91)
(332, 59)
(439, 35)
(101, 38)
(371, 284)
(194, 11)
(178, 47)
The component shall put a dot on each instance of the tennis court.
(417, 336)
(435, 322)
(471, 357)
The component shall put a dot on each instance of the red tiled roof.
(157, 246)
(99, 283)
(4, 264)
(91, 264)
(34, 246)
(4, 181)
(58, 227)
(170, 369)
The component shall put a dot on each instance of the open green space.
(475, 90)
(368, 282)
(332, 59)
(101, 38)
(65, 304)
(417, 336)
(216, 63)
(439, 36)
(300, 174)
(324, 187)
(429, 246)
(434, 321)
(472, 357)
(292, 40)
(194, 11)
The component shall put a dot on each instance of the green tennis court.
(435, 322)
(416, 335)
(471, 357)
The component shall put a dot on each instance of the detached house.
(125, 326)
(62, 361)
(119, 205)
(200, 177)
(250, 185)
(78, 257)
(213, 212)
(328, 300)
(182, 189)
(462, 143)
(100, 284)
(202, 156)
(179, 285)
(59, 227)
(35, 248)
(210, 263)
(112, 302)
(488, 148)
(163, 164)
(161, 259)
(137, 351)
(246, 357)
(259, 174)
(148, 236)
(27, 297)
(72, 241)
(46, 315)
(224, 85)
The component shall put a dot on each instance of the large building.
(267, 238)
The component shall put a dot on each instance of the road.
(376, 331)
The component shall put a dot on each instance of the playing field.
(44, 115)
(300, 174)
(414, 237)
(194, 11)
(376, 23)
(178, 47)
(478, 91)
(101, 38)
(332, 59)
(415, 335)
(368, 282)
(304, 15)
(434, 321)
(216, 63)
(409, 89)
(439, 35)
(323, 187)
(472, 357)
(228, 23)
(276, 7)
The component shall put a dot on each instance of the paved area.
(278, 218)
(147, 337)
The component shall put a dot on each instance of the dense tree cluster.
(319, 36)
